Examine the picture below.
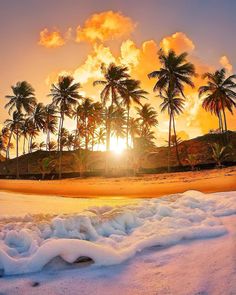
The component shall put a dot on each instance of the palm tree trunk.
(76, 131)
(17, 154)
(24, 146)
(220, 122)
(8, 146)
(60, 145)
(169, 142)
(59, 135)
(127, 130)
(176, 145)
(225, 122)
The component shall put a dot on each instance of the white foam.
(110, 235)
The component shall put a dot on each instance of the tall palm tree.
(15, 125)
(22, 99)
(219, 95)
(175, 72)
(114, 77)
(132, 93)
(65, 95)
(174, 106)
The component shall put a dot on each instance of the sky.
(42, 39)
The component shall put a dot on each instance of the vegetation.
(96, 122)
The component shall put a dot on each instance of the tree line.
(96, 121)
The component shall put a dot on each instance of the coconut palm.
(114, 77)
(118, 122)
(51, 120)
(22, 99)
(64, 95)
(174, 105)
(134, 128)
(219, 95)
(25, 130)
(132, 93)
(100, 137)
(175, 72)
(147, 117)
(15, 125)
(38, 118)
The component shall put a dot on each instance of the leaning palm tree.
(219, 95)
(174, 105)
(22, 99)
(15, 125)
(114, 77)
(175, 72)
(132, 93)
(65, 95)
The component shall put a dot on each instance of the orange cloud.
(53, 39)
(178, 42)
(224, 61)
(105, 26)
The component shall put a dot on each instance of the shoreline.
(147, 186)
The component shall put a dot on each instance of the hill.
(44, 163)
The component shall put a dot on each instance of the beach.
(146, 186)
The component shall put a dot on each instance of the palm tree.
(118, 121)
(15, 125)
(38, 118)
(219, 153)
(147, 117)
(65, 95)
(134, 128)
(32, 133)
(70, 141)
(25, 131)
(6, 135)
(219, 95)
(114, 77)
(100, 137)
(132, 93)
(174, 73)
(42, 145)
(23, 98)
(174, 106)
(52, 146)
(50, 125)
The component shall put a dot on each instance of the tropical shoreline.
(147, 186)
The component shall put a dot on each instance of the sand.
(147, 186)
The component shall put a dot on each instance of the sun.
(117, 146)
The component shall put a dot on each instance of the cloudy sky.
(41, 39)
